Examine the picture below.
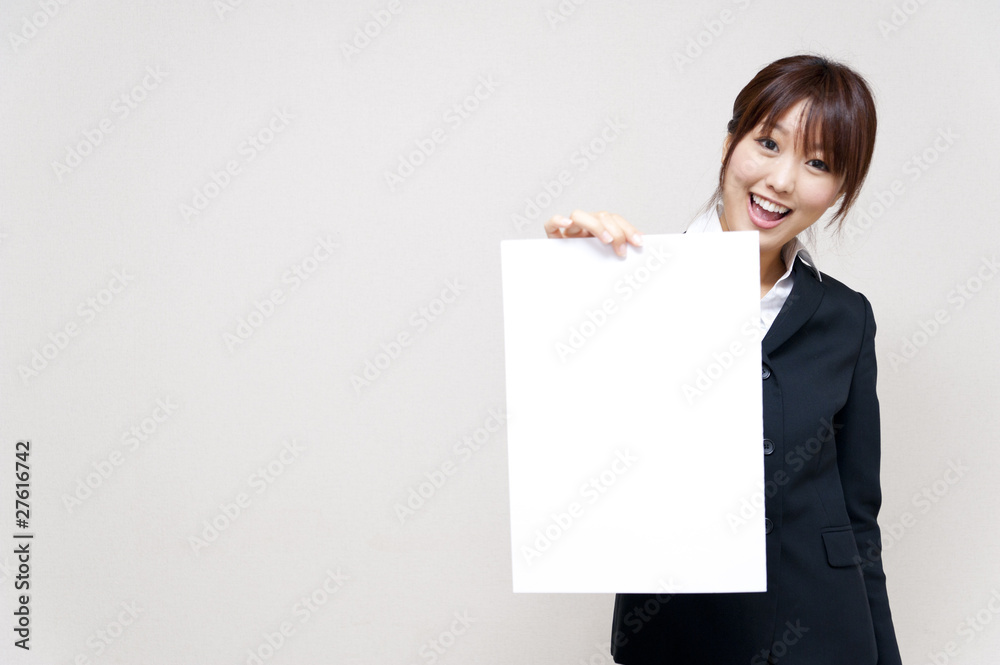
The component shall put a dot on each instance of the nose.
(781, 176)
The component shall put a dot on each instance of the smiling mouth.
(765, 213)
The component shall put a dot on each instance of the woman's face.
(775, 185)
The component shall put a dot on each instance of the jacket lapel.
(801, 304)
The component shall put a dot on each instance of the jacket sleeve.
(858, 457)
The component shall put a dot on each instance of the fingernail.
(637, 238)
(606, 236)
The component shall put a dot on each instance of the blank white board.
(634, 414)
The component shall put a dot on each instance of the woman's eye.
(819, 164)
(767, 144)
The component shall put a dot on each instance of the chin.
(740, 222)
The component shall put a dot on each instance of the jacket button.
(765, 372)
(768, 446)
(768, 525)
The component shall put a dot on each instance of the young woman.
(800, 139)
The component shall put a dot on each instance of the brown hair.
(836, 96)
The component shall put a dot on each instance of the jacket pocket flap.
(841, 548)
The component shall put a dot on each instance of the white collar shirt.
(774, 299)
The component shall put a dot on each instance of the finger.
(592, 225)
(618, 237)
(633, 234)
(556, 225)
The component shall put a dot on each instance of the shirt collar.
(709, 222)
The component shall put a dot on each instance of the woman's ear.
(725, 147)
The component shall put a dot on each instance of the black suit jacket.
(826, 601)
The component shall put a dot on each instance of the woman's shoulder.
(852, 307)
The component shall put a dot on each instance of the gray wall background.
(334, 123)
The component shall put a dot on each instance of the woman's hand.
(610, 229)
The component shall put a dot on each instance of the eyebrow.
(815, 147)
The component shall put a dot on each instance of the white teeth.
(767, 205)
